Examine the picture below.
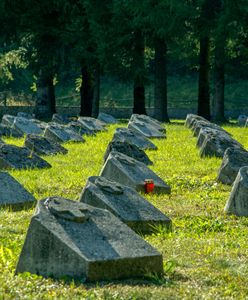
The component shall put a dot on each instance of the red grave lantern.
(149, 185)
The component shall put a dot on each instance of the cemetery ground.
(205, 255)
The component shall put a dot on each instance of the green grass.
(205, 256)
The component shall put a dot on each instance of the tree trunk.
(203, 83)
(139, 77)
(45, 102)
(160, 82)
(86, 93)
(96, 97)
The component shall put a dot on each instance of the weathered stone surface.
(81, 129)
(42, 125)
(9, 131)
(125, 203)
(60, 119)
(233, 160)
(237, 203)
(148, 130)
(8, 120)
(13, 157)
(198, 125)
(43, 146)
(204, 132)
(25, 115)
(62, 133)
(68, 238)
(128, 171)
(139, 140)
(92, 123)
(13, 194)
(26, 126)
(242, 120)
(192, 118)
(127, 149)
(148, 120)
(106, 118)
(216, 145)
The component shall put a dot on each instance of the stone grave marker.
(242, 120)
(25, 115)
(62, 133)
(43, 146)
(198, 125)
(72, 239)
(106, 118)
(233, 160)
(192, 118)
(146, 129)
(13, 194)
(92, 124)
(125, 203)
(127, 149)
(81, 129)
(13, 157)
(8, 120)
(237, 203)
(26, 126)
(60, 119)
(128, 171)
(9, 131)
(148, 120)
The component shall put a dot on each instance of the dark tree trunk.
(86, 93)
(96, 97)
(139, 77)
(203, 83)
(45, 102)
(160, 82)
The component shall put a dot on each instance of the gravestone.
(9, 131)
(26, 126)
(198, 125)
(237, 203)
(125, 203)
(72, 239)
(25, 115)
(60, 119)
(204, 132)
(127, 149)
(62, 133)
(13, 194)
(106, 118)
(233, 160)
(128, 171)
(8, 120)
(148, 120)
(13, 157)
(125, 134)
(192, 118)
(43, 146)
(80, 128)
(242, 120)
(42, 125)
(146, 129)
(92, 124)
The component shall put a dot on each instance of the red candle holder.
(149, 185)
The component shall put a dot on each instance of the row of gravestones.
(215, 141)
(95, 238)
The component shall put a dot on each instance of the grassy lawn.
(205, 256)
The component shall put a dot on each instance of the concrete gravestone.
(128, 171)
(92, 123)
(9, 131)
(148, 130)
(191, 119)
(242, 120)
(149, 120)
(62, 133)
(13, 157)
(106, 118)
(13, 194)
(128, 149)
(42, 125)
(233, 160)
(43, 146)
(237, 203)
(198, 125)
(26, 126)
(125, 203)
(61, 119)
(80, 128)
(125, 134)
(68, 238)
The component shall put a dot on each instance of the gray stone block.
(43, 146)
(72, 239)
(8, 120)
(198, 125)
(13, 157)
(127, 149)
(242, 120)
(9, 131)
(62, 133)
(81, 129)
(42, 125)
(106, 118)
(148, 120)
(233, 160)
(13, 194)
(139, 140)
(26, 126)
(125, 203)
(92, 124)
(192, 118)
(237, 203)
(146, 129)
(60, 119)
(128, 171)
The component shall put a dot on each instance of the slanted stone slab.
(62, 133)
(128, 171)
(106, 118)
(146, 129)
(198, 125)
(192, 118)
(8, 120)
(42, 125)
(60, 119)
(237, 203)
(9, 131)
(127, 149)
(13, 157)
(139, 140)
(125, 203)
(148, 120)
(26, 126)
(43, 146)
(73, 239)
(13, 194)
(233, 160)
(81, 129)
(242, 120)
(25, 115)
(92, 124)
